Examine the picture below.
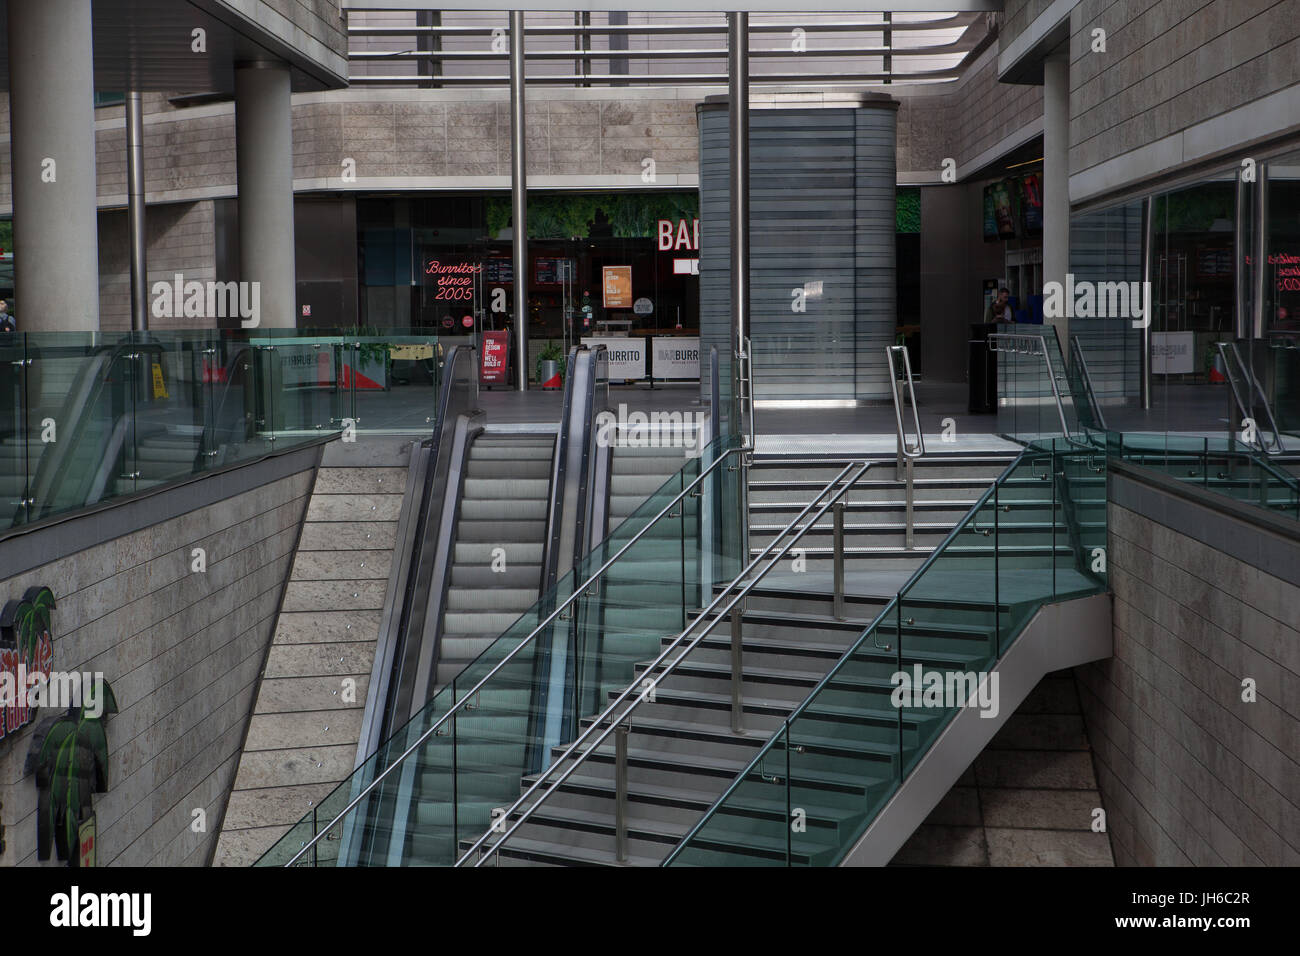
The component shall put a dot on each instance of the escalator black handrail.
(578, 430)
(554, 534)
(598, 358)
(470, 696)
(584, 363)
(429, 516)
(559, 475)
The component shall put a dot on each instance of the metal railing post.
(911, 500)
(620, 793)
(737, 672)
(838, 514)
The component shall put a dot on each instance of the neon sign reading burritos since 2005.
(454, 280)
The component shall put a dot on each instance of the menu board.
(1213, 263)
(551, 271)
(499, 270)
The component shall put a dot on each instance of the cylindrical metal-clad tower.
(822, 254)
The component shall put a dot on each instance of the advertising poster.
(617, 287)
(990, 216)
(1004, 211)
(494, 356)
(1031, 204)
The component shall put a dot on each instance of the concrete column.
(52, 145)
(135, 211)
(264, 159)
(1056, 181)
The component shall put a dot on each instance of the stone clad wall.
(1190, 773)
(303, 736)
(182, 651)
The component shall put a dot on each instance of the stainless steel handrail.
(642, 682)
(1076, 352)
(1023, 343)
(1231, 356)
(907, 454)
(472, 694)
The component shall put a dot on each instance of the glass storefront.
(1279, 352)
(1200, 244)
(614, 264)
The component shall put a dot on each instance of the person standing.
(1000, 308)
(7, 322)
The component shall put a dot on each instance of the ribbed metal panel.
(1106, 246)
(823, 221)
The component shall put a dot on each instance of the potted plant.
(550, 366)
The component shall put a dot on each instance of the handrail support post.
(620, 792)
(737, 671)
(838, 513)
(910, 501)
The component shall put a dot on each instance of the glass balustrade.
(830, 768)
(90, 417)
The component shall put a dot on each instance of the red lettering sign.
(454, 280)
(682, 234)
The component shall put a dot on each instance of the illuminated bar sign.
(617, 287)
(681, 234)
(454, 280)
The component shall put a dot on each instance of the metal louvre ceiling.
(146, 45)
(464, 48)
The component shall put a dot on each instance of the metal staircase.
(598, 730)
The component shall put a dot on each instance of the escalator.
(497, 558)
(500, 515)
